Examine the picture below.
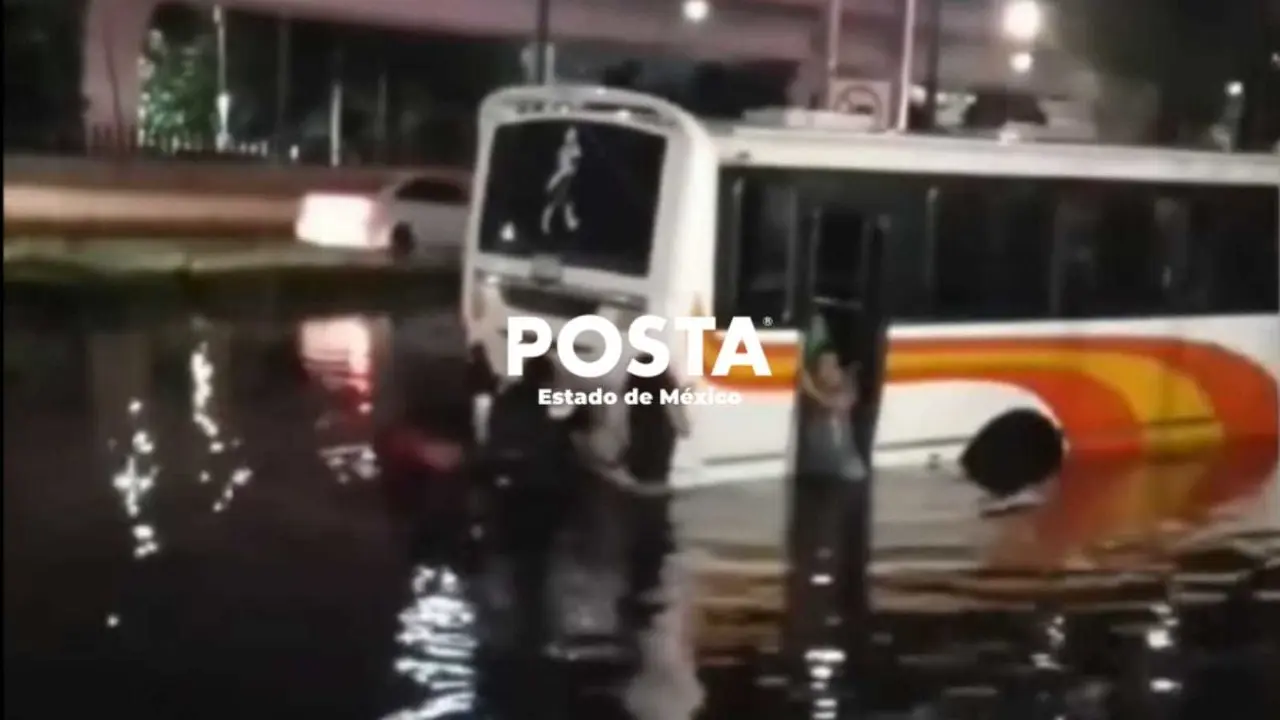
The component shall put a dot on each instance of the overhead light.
(696, 11)
(1022, 62)
(1023, 20)
(1235, 88)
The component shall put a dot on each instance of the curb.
(168, 269)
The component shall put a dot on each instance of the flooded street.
(193, 523)
(207, 515)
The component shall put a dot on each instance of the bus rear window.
(586, 193)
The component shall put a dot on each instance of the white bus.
(1127, 294)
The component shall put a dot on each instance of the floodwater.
(203, 519)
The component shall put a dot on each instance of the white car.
(413, 218)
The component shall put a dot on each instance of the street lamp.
(1022, 62)
(1023, 20)
(695, 11)
(223, 99)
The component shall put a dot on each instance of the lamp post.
(223, 100)
(1022, 22)
(835, 26)
(542, 44)
(907, 68)
(932, 65)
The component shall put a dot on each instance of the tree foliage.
(180, 81)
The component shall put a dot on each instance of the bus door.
(840, 368)
(840, 291)
(779, 244)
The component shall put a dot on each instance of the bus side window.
(1173, 228)
(1233, 236)
(1114, 258)
(753, 257)
(1072, 286)
(769, 212)
(993, 241)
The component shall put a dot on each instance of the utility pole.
(906, 75)
(932, 63)
(835, 27)
(542, 44)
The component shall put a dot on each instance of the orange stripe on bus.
(1180, 396)
(1159, 429)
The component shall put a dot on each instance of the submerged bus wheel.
(1015, 451)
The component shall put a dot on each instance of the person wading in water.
(828, 395)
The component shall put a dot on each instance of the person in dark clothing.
(530, 484)
(424, 482)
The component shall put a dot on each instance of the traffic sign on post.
(867, 98)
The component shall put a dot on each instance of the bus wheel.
(402, 242)
(1013, 452)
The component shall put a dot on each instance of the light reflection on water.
(231, 519)
(224, 461)
(136, 477)
(196, 507)
(438, 645)
(244, 482)
(340, 354)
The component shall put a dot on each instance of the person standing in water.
(829, 394)
(826, 533)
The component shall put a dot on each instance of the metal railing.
(445, 144)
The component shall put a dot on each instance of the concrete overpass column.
(114, 31)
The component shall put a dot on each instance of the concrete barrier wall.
(83, 197)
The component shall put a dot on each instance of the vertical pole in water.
(542, 44)
(825, 623)
(907, 69)
(835, 26)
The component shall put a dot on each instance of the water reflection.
(203, 532)
(136, 478)
(223, 463)
(576, 598)
(341, 354)
(125, 430)
(438, 644)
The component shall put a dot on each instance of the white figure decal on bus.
(559, 185)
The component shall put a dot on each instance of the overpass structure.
(972, 48)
